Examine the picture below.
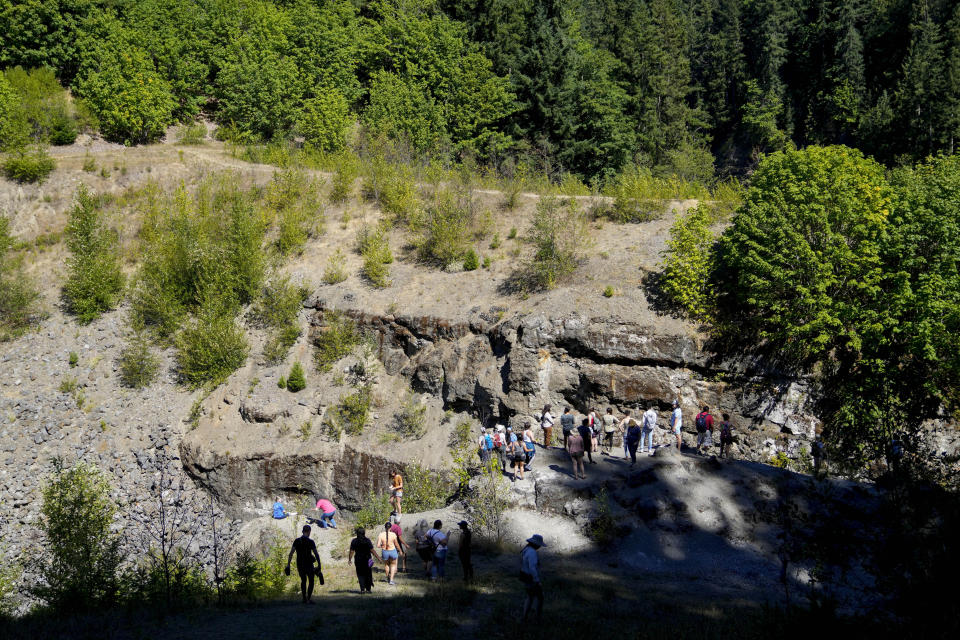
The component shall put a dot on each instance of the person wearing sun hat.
(530, 574)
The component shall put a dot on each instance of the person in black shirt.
(465, 550)
(306, 550)
(362, 553)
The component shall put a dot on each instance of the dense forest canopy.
(685, 87)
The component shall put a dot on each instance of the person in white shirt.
(530, 575)
(676, 422)
(546, 423)
(649, 424)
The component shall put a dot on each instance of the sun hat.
(537, 539)
(462, 523)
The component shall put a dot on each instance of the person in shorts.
(396, 491)
(676, 423)
(388, 544)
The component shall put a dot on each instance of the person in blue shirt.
(278, 511)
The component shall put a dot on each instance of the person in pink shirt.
(327, 509)
(401, 543)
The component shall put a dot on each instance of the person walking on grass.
(609, 429)
(574, 445)
(567, 424)
(438, 539)
(704, 424)
(465, 551)
(676, 423)
(401, 543)
(530, 576)
(529, 449)
(396, 491)
(646, 433)
(586, 433)
(362, 555)
(389, 551)
(424, 546)
(726, 435)
(306, 550)
(546, 423)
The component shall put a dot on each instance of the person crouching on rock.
(327, 510)
(279, 513)
(306, 550)
(362, 554)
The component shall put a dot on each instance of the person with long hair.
(362, 555)
(546, 423)
(387, 543)
(396, 491)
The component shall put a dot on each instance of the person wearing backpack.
(500, 446)
(546, 423)
(704, 424)
(517, 459)
(485, 447)
(438, 540)
(649, 424)
(726, 435)
(423, 545)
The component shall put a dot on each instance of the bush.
(119, 83)
(559, 236)
(392, 187)
(13, 126)
(374, 246)
(18, 296)
(28, 165)
(138, 364)
(351, 412)
(324, 121)
(279, 343)
(411, 421)
(489, 501)
(296, 380)
(9, 576)
(446, 231)
(251, 578)
(688, 263)
(471, 262)
(211, 347)
(293, 198)
(335, 339)
(43, 105)
(335, 272)
(95, 282)
(77, 570)
(343, 179)
(278, 305)
(425, 489)
(638, 195)
(282, 383)
(73, 359)
(193, 134)
(374, 512)
(608, 291)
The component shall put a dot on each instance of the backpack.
(701, 422)
(498, 439)
(487, 441)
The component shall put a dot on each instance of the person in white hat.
(530, 574)
(676, 422)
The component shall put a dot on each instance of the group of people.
(431, 546)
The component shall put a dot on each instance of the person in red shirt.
(401, 543)
(704, 424)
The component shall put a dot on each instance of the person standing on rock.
(676, 423)
(609, 428)
(396, 491)
(327, 511)
(726, 435)
(465, 550)
(530, 575)
(362, 555)
(306, 550)
(574, 446)
(517, 457)
(646, 433)
(567, 424)
(704, 424)
(485, 444)
(586, 433)
(594, 419)
(500, 447)
(529, 449)
(387, 543)
(631, 436)
(546, 423)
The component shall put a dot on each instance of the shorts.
(397, 493)
(390, 554)
(577, 456)
(676, 430)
